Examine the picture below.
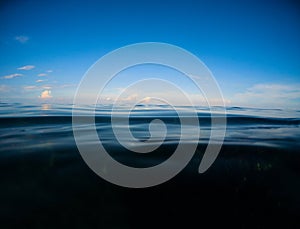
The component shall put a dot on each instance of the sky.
(251, 47)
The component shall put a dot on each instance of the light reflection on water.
(33, 126)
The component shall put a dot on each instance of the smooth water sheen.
(45, 183)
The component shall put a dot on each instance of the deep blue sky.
(252, 47)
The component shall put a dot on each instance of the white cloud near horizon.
(269, 95)
(22, 39)
(26, 67)
(29, 88)
(35, 87)
(67, 85)
(11, 76)
(42, 74)
(46, 94)
(133, 96)
(38, 86)
(39, 81)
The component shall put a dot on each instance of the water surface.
(45, 183)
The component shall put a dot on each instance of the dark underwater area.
(45, 183)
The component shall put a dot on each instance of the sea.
(45, 183)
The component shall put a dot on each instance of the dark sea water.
(254, 182)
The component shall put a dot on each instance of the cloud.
(127, 98)
(46, 94)
(67, 85)
(42, 74)
(39, 81)
(199, 99)
(269, 95)
(29, 88)
(159, 94)
(12, 76)
(35, 87)
(202, 78)
(26, 67)
(130, 98)
(49, 71)
(146, 99)
(47, 87)
(22, 39)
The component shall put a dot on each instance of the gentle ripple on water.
(45, 184)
